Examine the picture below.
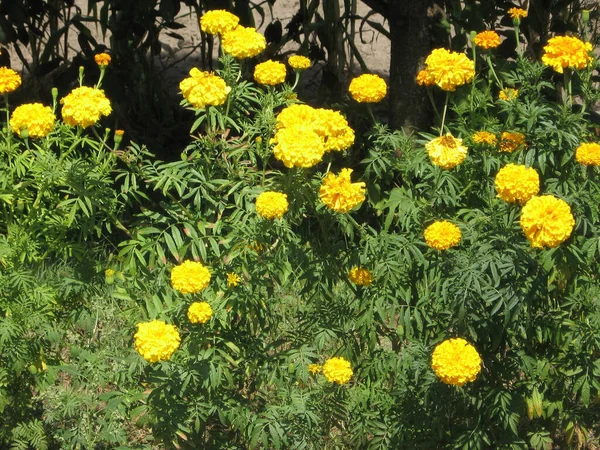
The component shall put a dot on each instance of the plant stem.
(437, 112)
(7, 109)
(568, 87)
(444, 115)
(491, 66)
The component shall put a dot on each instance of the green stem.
(371, 113)
(568, 86)
(7, 109)
(491, 66)
(517, 32)
(445, 111)
(437, 112)
(296, 80)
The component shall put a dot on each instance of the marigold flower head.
(442, 235)
(517, 13)
(102, 59)
(334, 129)
(204, 89)
(516, 183)
(36, 118)
(256, 247)
(567, 51)
(315, 368)
(587, 154)
(296, 114)
(190, 277)
(298, 62)
(508, 94)
(218, 21)
(233, 279)
(547, 221)
(199, 312)
(298, 146)
(339, 193)
(456, 362)
(484, 137)
(337, 370)
(156, 340)
(368, 88)
(511, 141)
(487, 39)
(425, 78)
(270, 73)
(84, 106)
(272, 205)
(243, 42)
(449, 69)
(9, 80)
(119, 132)
(446, 151)
(360, 276)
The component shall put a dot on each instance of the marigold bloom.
(298, 62)
(511, 141)
(566, 51)
(298, 146)
(272, 205)
(190, 277)
(36, 118)
(296, 114)
(84, 106)
(446, 151)
(315, 368)
(204, 89)
(587, 154)
(270, 73)
(456, 362)
(120, 132)
(334, 129)
(156, 340)
(360, 276)
(368, 88)
(339, 193)
(9, 80)
(233, 279)
(337, 370)
(517, 13)
(425, 78)
(449, 69)
(487, 39)
(484, 137)
(515, 183)
(102, 59)
(547, 221)
(199, 312)
(508, 94)
(442, 235)
(243, 42)
(218, 21)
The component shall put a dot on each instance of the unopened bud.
(585, 16)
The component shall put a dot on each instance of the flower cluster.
(449, 69)
(36, 118)
(218, 21)
(272, 205)
(368, 88)
(511, 141)
(270, 73)
(446, 151)
(508, 94)
(243, 42)
(190, 277)
(517, 13)
(204, 89)
(588, 154)
(547, 221)
(484, 137)
(456, 362)
(424, 78)
(442, 235)
(360, 276)
(337, 370)
(156, 340)
(515, 183)
(298, 62)
(102, 59)
(9, 80)
(339, 193)
(84, 106)
(487, 39)
(563, 52)
(199, 312)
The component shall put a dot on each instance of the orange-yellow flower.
(487, 39)
(563, 52)
(339, 193)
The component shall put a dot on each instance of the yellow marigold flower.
(484, 137)
(315, 368)
(566, 51)
(256, 247)
(190, 277)
(102, 59)
(156, 341)
(511, 141)
(425, 78)
(456, 362)
(334, 129)
(360, 276)
(449, 69)
(218, 21)
(204, 89)
(119, 132)
(337, 370)
(298, 62)
(297, 114)
(446, 151)
(298, 146)
(368, 88)
(109, 272)
(36, 118)
(508, 94)
(588, 154)
(515, 183)
(9, 80)
(233, 279)
(339, 193)
(84, 106)
(272, 205)
(243, 42)
(270, 73)
(517, 13)
(487, 39)
(547, 221)
(199, 312)
(442, 235)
